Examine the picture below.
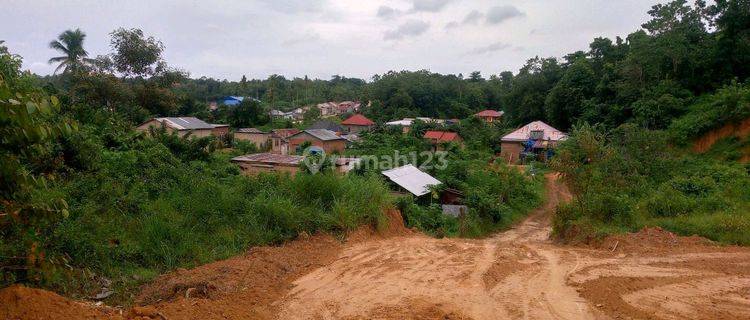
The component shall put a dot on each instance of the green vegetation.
(630, 177)
(85, 197)
(496, 195)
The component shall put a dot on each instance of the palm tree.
(74, 57)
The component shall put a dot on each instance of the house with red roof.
(439, 138)
(357, 123)
(490, 116)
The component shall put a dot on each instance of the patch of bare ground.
(413, 309)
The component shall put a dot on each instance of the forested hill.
(649, 77)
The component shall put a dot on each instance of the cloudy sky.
(356, 38)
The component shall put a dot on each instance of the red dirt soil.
(516, 274)
(740, 130)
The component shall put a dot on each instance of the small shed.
(411, 179)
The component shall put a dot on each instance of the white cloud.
(411, 28)
(387, 12)
(429, 5)
(497, 46)
(501, 13)
(472, 17)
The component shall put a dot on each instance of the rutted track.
(521, 274)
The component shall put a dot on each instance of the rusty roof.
(270, 158)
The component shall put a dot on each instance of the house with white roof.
(184, 125)
(536, 138)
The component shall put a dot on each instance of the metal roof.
(490, 113)
(441, 136)
(323, 134)
(358, 120)
(328, 125)
(411, 179)
(185, 123)
(408, 121)
(522, 134)
(270, 158)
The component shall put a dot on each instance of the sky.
(321, 38)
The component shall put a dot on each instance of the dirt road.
(517, 274)
(520, 274)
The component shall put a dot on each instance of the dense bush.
(629, 178)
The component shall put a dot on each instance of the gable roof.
(185, 123)
(490, 113)
(358, 120)
(284, 133)
(321, 134)
(328, 125)
(270, 158)
(408, 121)
(522, 134)
(441, 136)
(411, 179)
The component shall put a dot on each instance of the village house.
(357, 123)
(327, 125)
(348, 107)
(536, 138)
(235, 100)
(183, 126)
(439, 138)
(406, 123)
(327, 108)
(490, 116)
(261, 139)
(252, 164)
(332, 108)
(279, 142)
(326, 140)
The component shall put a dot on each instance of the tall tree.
(135, 54)
(70, 44)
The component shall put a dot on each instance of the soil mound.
(19, 302)
(655, 239)
(261, 270)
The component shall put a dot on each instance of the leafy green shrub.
(668, 202)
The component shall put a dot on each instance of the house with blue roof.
(235, 100)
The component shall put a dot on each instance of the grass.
(145, 211)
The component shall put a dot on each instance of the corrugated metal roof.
(323, 134)
(408, 121)
(441, 136)
(328, 125)
(270, 158)
(490, 113)
(411, 179)
(185, 123)
(522, 134)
